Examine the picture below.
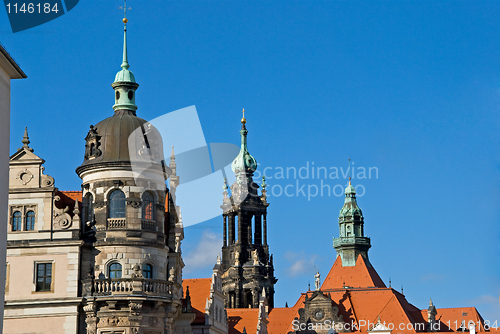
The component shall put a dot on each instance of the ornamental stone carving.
(135, 308)
(99, 204)
(24, 176)
(134, 202)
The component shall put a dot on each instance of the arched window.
(115, 270)
(147, 206)
(30, 221)
(92, 149)
(88, 208)
(117, 204)
(16, 221)
(147, 271)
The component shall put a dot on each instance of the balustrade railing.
(117, 223)
(138, 285)
(149, 225)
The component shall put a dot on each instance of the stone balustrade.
(116, 223)
(129, 286)
(149, 225)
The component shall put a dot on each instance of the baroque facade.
(108, 259)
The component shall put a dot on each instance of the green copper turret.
(352, 242)
(124, 84)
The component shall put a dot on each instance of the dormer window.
(92, 147)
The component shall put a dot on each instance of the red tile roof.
(281, 318)
(360, 275)
(451, 318)
(199, 291)
(242, 318)
(74, 195)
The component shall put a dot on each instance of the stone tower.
(248, 267)
(131, 260)
(352, 240)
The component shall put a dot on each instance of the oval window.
(117, 95)
(130, 94)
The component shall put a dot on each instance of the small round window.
(117, 95)
(130, 94)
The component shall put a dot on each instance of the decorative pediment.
(25, 155)
(26, 170)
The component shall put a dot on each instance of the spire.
(125, 64)
(26, 140)
(351, 241)
(124, 84)
(244, 162)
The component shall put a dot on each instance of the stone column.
(224, 230)
(249, 229)
(265, 229)
(231, 229)
(240, 227)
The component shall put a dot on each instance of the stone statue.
(255, 257)
(317, 280)
(236, 258)
(171, 278)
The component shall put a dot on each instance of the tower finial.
(349, 171)
(125, 64)
(26, 139)
(243, 120)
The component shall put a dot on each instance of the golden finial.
(243, 120)
(125, 20)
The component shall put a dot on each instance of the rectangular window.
(43, 276)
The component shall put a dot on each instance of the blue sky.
(411, 88)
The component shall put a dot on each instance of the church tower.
(248, 267)
(131, 260)
(352, 240)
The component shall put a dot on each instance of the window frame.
(151, 266)
(112, 211)
(148, 204)
(50, 288)
(27, 218)
(110, 270)
(19, 224)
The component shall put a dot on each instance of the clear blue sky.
(411, 88)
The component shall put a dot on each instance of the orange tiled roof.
(281, 318)
(74, 195)
(451, 318)
(67, 199)
(199, 291)
(242, 318)
(360, 275)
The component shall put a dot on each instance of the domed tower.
(248, 267)
(132, 266)
(352, 241)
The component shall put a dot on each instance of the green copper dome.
(244, 162)
(125, 75)
(350, 207)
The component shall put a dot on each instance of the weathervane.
(349, 171)
(124, 7)
(243, 120)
